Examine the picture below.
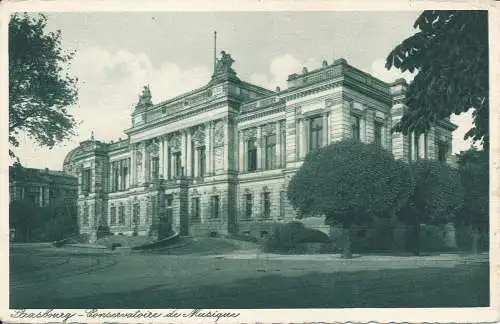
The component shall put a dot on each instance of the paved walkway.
(255, 254)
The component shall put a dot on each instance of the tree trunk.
(475, 239)
(346, 242)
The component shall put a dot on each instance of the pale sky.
(118, 53)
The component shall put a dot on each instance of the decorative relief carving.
(138, 158)
(199, 136)
(174, 142)
(250, 134)
(269, 129)
(154, 149)
(219, 133)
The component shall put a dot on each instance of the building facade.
(42, 186)
(218, 159)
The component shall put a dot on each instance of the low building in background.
(218, 159)
(42, 186)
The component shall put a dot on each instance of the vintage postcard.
(248, 161)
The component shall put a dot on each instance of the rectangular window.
(215, 206)
(410, 158)
(270, 161)
(195, 209)
(192, 162)
(169, 164)
(377, 129)
(251, 155)
(86, 180)
(202, 161)
(121, 215)
(267, 204)
(125, 177)
(112, 216)
(315, 133)
(248, 206)
(282, 204)
(116, 176)
(136, 216)
(85, 214)
(416, 149)
(155, 161)
(356, 127)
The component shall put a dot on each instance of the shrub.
(289, 238)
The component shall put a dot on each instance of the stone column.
(189, 152)
(40, 196)
(325, 129)
(362, 131)
(166, 162)
(421, 146)
(132, 166)
(259, 148)
(226, 144)
(161, 158)
(278, 145)
(241, 151)
(196, 162)
(144, 165)
(183, 152)
(302, 138)
(111, 175)
(208, 147)
(129, 173)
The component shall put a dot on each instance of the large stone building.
(218, 159)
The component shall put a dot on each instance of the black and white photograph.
(210, 162)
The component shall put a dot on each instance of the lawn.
(170, 281)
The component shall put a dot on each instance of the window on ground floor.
(215, 207)
(121, 215)
(282, 204)
(248, 206)
(136, 214)
(267, 205)
(195, 209)
(112, 215)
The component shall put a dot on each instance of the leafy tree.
(435, 198)
(474, 175)
(349, 182)
(450, 54)
(40, 88)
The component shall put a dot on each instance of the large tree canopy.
(450, 54)
(349, 182)
(436, 196)
(474, 174)
(40, 88)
